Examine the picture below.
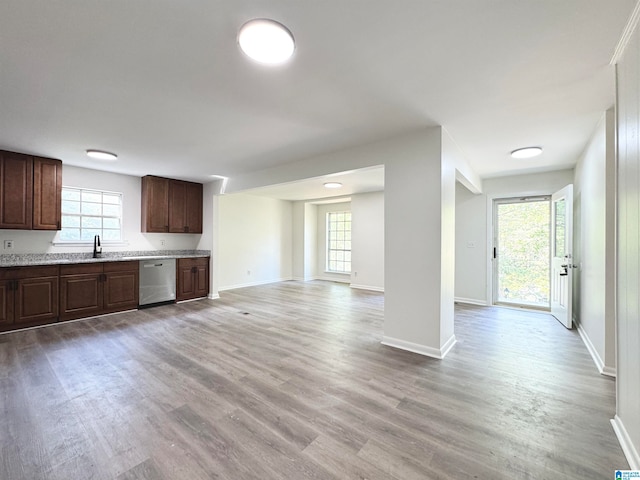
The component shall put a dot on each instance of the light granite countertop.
(34, 259)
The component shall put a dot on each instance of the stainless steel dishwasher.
(157, 281)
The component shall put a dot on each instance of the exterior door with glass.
(562, 255)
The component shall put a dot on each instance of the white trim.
(367, 287)
(590, 347)
(628, 448)
(304, 279)
(626, 35)
(340, 279)
(470, 301)
(602, 368)
(213, 296)
(438, 353)
(253, 284)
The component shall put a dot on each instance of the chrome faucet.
(97, 249)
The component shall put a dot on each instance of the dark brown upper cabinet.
(47, 193)
(185, 207)
(173, 206)
(155, 204)
(30, 192)
(16, 191)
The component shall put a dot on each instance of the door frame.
(494, 244)
(490, 232)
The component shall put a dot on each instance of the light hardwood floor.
(290, 381)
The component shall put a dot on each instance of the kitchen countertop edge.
(34, 260)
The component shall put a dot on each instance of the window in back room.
(339, 242)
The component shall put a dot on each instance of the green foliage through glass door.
(523, 255)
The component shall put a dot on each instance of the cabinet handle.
(186, 229)
(194, 269)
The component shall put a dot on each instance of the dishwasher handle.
(151, 265)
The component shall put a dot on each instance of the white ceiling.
(355, 181)
(164, 85)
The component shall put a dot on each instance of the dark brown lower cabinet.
(97, 288)
(192, 278)
(121, 291)
(28, 296)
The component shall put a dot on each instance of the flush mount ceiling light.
(332, 185)
(526, 152)
(266, 41)
(101, 155)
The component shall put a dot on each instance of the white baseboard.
(438, 353)
(347, 279)
(253, 284)
(470, 301)
(628, 448)
(304, 279)
(213, 296)
(367, 287)
(609, 371)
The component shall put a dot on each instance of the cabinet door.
(6, 302)
(16, 190)
(81, 295)
(202, 280)
(185, 280)
(192, 278)
(155, 204)
(193, 213)
(177, 206)
(47, 193)
(36, 299)
(121, 291)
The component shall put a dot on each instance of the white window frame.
(103, 241)
(343, 250)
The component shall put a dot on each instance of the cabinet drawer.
(193, 262)
(81, 268)
(125, 266)
(17, 273)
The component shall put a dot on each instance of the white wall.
(321, 242)
(367, 234)
(593, 307)
(419, 226)
(254, 240)
(473, 265)
(209, 238)
(419, 212)
(310, 241)
(627, 420)
(31, 241)
(471, 246)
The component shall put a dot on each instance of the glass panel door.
(522, 252)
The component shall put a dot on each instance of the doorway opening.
(522, 252)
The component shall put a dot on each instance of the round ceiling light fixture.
(332, 185)
(527, 152)
(266, 41)
(101, 155)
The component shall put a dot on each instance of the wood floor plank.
(290, 380)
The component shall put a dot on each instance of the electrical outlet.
(8, 244)
(248, 272)
(162, 242)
